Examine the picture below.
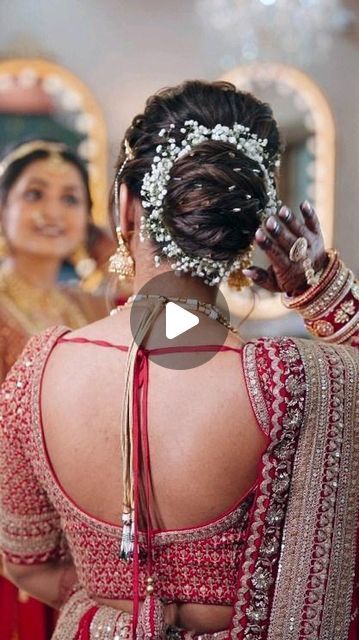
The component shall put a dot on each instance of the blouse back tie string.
(150, 622)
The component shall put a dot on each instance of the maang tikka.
(121, 263)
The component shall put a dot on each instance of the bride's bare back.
(205, 444)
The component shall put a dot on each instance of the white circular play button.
(178, 333)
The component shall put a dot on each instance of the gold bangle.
(300, 301)
(339, 287)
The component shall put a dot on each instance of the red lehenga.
(285, 557)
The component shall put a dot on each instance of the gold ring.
(298, 250)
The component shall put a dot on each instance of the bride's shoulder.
(17, 388)
(37, 349)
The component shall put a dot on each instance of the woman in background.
(45, 206)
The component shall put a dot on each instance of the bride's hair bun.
(216, 195)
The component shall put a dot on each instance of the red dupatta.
(299, 576)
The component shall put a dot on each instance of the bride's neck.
(170, 284)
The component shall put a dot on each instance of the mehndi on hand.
(295, 250)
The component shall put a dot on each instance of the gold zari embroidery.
(315, 581)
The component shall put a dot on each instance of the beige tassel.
(146, 322)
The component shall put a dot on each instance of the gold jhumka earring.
(237, 280)
(121, 263)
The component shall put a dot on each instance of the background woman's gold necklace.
(37, 309)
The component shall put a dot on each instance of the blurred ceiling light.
(299, 32)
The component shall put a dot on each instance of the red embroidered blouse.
(39, 519)
(239, 557)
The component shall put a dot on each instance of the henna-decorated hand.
(276, 237)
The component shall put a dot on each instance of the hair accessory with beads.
(129, 152)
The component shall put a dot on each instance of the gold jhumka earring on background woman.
(4, 249)
(91, 277)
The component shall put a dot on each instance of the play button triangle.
(178, 320)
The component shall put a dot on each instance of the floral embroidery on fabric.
(285, 396)
(344, 312)
(30, 528)
(319, 581)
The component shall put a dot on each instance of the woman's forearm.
(49, 582)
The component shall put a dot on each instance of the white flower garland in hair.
(154, 190)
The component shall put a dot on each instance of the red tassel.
(151, 621)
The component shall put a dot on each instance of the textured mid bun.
(216, 193)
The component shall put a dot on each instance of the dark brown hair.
(214, 198)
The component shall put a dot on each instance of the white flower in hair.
(154, 190)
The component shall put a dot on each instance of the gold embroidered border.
(296, 549)
(322, 506)
(254, 387)
(205, 531)
(71, 614)
(338, 599)
(112, 624)
(29, 534)
(251, 609)
(109, 623)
